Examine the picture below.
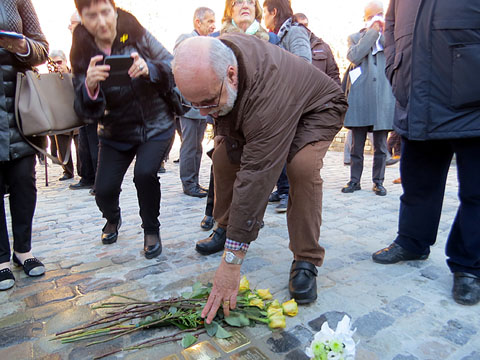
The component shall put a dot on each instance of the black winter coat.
(433, 62)
(128, 114)
(18, 16)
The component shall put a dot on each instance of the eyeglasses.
(211, 106)
(241, 2)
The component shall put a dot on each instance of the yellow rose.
(257, 302)
(264, 294)
(244, 285)
(277, 322)
(273, 311)
(290, 308)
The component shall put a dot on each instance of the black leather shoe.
(154, 250)
(351, 187)
(7, 280)
(394, 254)
(32, 267)
(303, 284)
(207, 223)
(66, 177)
(110, 238)
(466, 288)
(80, 185)
(214, 243)
(274, 197)
(379, 190)
(195, 192)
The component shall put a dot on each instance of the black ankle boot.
(214, 243)
(152, 245)
(110, 238)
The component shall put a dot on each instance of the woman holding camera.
(134, 120)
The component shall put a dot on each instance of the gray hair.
(58, 53)
(221, 57)
(201, 12)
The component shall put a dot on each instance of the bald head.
(373, 8)
(206, 71)
(209, 81)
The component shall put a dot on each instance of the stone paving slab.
(401, 312)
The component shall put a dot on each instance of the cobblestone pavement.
(401, 312)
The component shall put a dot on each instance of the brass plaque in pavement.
(201, 351)
(171, 357)
(236, 341)
(252, 353)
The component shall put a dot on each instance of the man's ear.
(232, 75)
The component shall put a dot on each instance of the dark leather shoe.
(351, 187)
(153, 250)
(379, 190)
(214, 243)
(207, 223)
(7, 280)
(32, 267)
(394, 254)
(392, 161)
(80, 185)
(66, 177)
(274, 197)
(195, 192)
(466, 288)
(303, 284)
(110, 238)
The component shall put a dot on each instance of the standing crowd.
(276, 102)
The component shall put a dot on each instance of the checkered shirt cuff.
(235, 245)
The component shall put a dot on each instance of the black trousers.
(112, 166)
(424, 167)
(19, 176)
(63, 142)
(88, 153)
(359, 135)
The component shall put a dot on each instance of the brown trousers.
(304, 211)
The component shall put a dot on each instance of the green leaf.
(199, 293)
(222, 333)
(197, 286)
(172, 310)
(211, 328)
(188, 340)
(186, 295)
(237, 320)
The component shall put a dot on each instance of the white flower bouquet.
(333, 345)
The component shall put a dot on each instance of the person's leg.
(304, 213)
(282, 183)
(5, 253)
(112, 166)
(188, 154)
(359, 135)
(463, 244)
(85, 170)
(53, 145)
(75, 142)
(64, 142)
(93, 145)
(149, 157)
(379, 156)
(347, 148)
(424, 169)
(211, 195)
(201, 126)
(23, 199)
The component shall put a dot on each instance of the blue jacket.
(435, 76)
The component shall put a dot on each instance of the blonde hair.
(227, 14)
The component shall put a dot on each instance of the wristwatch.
(231, 258)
